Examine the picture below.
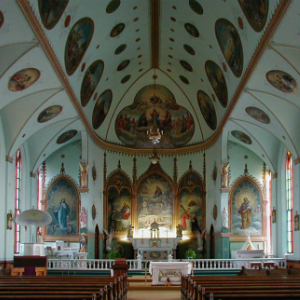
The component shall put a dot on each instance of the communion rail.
(141, 265)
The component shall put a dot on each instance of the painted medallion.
(120, 49)
(49, 113)
(217, 81)
(191, 29)
(51, 11)
(154, 107)
(77, 43)
(184, 79)
(23, 79)
(125, 78)
(258, 114)
(101, 108)
(196, 7)
(282, 81)
(123, 65)
(112, 6)
(241, 136)
(186, 65)
(231, 45)
(189, 49)
(66, 136)
(256, 12)
(90, 81)
(207, 109)
(117, 29)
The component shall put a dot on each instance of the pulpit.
(120, 267)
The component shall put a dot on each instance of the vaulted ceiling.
(115, 69)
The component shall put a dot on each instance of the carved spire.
(191, 167)
(246, 172)
(204, 169)
(175, 171)
(134, 171)
(104, 169)
(119, 165)
(62, 169)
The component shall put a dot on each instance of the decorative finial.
(62, 169)
(154, 158)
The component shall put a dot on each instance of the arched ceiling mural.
(117, 69)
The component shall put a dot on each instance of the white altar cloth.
(168, 272)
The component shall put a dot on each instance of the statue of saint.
(84, 168)
(224, 218)
(225, 175)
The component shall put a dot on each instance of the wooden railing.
(139, 264)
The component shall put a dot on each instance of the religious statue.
(82, 242)
(40, 239)
(179, 230)
(224, 218)
(9, 221)
(200, 237)
(109, 237)
(296, 221)
(225, 175)
(84, 168)
(130, 231)
(83, 218)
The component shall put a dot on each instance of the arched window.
(17, 198)
(289, 201)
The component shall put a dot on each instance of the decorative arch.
(155, 199)
(247, 208)
(191, 196)
(63, 204)
(118, 199)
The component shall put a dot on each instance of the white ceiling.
(152, 50)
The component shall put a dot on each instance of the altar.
(168, 273)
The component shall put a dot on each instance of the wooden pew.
(66, 287)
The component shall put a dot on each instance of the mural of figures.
(77, 43)
(246, 209)
(112, 6)
(23, 79)
(282, 81)
(241, 136)
(217, 81)
(207, 109)
(154, 106)
(191, 29)
(190, 202)
(155, 202)
(62, 204)
(256, 12)
(196, 7)
(90, 81)
(49, 113)
(51, 11)
(101, 108)
(66, 136)
(258, 114)
(230, 44)
(117, 30)
(119, 209)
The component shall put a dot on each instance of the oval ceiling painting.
(125, 78)
(117, 29)
(120, 49)
(191, 29)
(101, 108)
(186, 65)
(282, 81)
(23, 79)
(189, 49)
(154, 107)
(196, 7)
(77, 43)
(258, 114)
(207, 109)
(112, 6)
(231, 45)
(51, 11)
(49, 113)
(217, 81)
(123, 65)
(90, 81)
(66, 136)
(256, 12)
(241, 136)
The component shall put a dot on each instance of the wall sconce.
(9, 218)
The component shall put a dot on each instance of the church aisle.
(153, 295)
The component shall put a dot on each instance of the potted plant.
(190, 254)
(114, 254)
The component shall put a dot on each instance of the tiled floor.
(153, 295)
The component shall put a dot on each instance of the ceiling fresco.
(221, 67)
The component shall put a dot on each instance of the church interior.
(154, 129)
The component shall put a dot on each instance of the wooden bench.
(66, 287)
(241, 287)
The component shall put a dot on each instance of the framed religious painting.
(63, 204)
(246, 200)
